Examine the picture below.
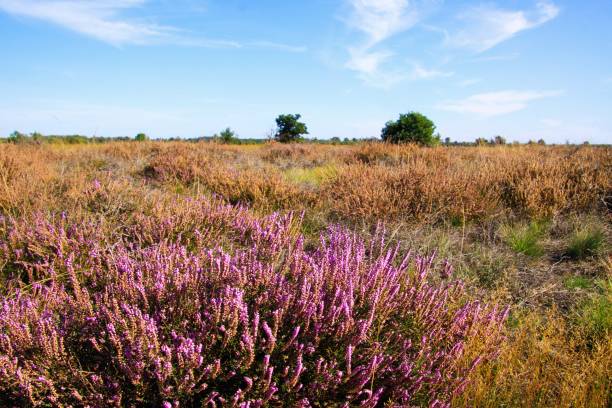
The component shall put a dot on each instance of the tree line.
(412, 127)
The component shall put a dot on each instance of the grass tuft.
(585, 243)
(525, 239)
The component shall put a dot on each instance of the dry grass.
(544, 363)
(369, 181)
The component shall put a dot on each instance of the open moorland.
(202, 274)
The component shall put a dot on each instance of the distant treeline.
(38, 138)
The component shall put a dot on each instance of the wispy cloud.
(496, 103)
(485, 26)
(380, 19)
(503, 57)
(276, 46)
(369, 68)
(469, 82)
(377, 21)
(106, 20)
(99, 19)
(420, 72)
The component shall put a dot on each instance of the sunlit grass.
(526, 239)
(313, 176)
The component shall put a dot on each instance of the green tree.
(411, 127)
(289, 128)
(17, 137)
(141, 137)
(227, 135)
(481, 141)
(499, 140)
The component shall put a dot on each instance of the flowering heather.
(228, 310)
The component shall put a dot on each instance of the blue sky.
(523, 69)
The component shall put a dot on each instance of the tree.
(499, 140)
(141, 137)
(227, 135)
(411, 127)
(17, 137)
(289, 128)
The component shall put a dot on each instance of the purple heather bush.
(216, 307)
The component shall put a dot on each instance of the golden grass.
(544, 363)
(369, 181)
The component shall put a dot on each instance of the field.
(203, 274)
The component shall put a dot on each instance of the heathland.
(202, 274)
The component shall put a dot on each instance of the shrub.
(347, 323)
(141, 137)
(289, 128)
(411, 127)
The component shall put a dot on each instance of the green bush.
(411, 127)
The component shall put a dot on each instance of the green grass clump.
(585, 243)
(525, 239)
(578, 282)
(596, 313)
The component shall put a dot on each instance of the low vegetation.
(159, 273)
(585, 242)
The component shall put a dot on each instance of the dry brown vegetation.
(475, 205)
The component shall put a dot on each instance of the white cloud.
(368, 64)
(505, 57)
(98, 19)
(105, 20)
(380, 20)
(277, 46)
(366, 61)
(486, 26)
(496, 103)
(420, 72)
